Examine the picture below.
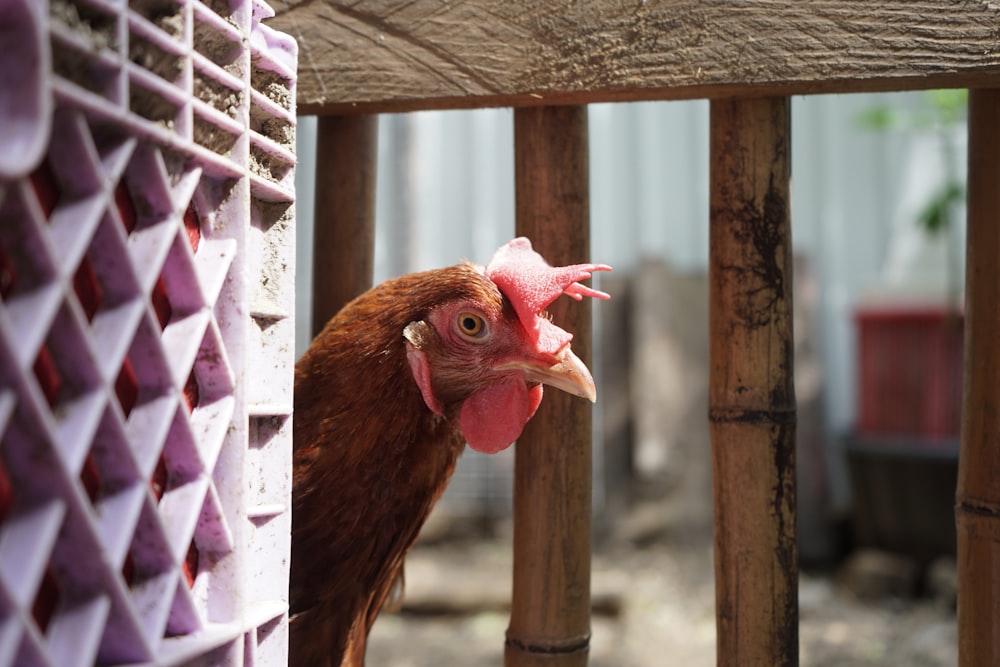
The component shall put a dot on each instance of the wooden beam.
(387, 55)
(978, 493)
(751, 392)
(344, 219)
(550, 608)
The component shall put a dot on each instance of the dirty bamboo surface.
(978, 493)
(344, 233)
(550, 606)
(751, 393)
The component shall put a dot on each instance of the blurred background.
(878, 233)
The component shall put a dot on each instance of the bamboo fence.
(550, 606)
(751, 393)
(977, 510)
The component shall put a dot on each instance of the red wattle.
(492, 418)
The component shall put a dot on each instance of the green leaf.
(935, 217)
(881, 117)
(950, 105)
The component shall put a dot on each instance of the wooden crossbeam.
(388, 55)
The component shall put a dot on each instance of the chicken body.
(385, 400)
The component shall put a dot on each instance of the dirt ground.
(653, 606)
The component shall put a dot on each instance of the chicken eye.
(471, 324)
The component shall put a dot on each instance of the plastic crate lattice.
(146, 262)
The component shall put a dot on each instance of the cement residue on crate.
(83, 70)
(273, 251)
(167, 15)
(223, 49)
(268, 165)
(152, 106)
(272, 85)
(213, 137)
(150, 56)
(93, 26)
(217, 95)
(279, 130)
(221, 8)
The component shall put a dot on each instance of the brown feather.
(370, 461)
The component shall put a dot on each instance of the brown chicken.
(385, 399)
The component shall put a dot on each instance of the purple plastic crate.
(146, 332)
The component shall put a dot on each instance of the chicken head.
(486, 357)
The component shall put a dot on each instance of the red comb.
(531, 284)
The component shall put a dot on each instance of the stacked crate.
(903, 454)
(146, 268)
(909, 371)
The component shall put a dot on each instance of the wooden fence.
(549, 60)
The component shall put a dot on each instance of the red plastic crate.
(909, 371)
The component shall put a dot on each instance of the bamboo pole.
(751, 392)
(977, 510)
(344, 221)
(550, 609)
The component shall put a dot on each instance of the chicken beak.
(567, 374)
